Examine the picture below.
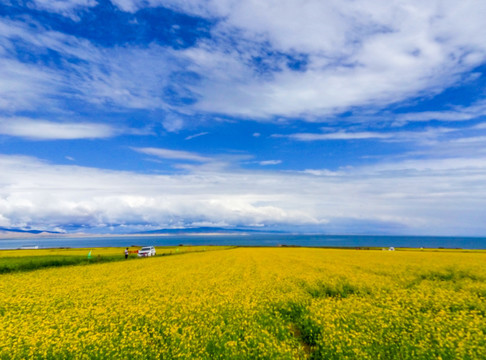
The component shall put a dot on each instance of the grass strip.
(30, 263)
(10, 264)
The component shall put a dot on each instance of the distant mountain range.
(209, 230)
(14, 230)
(180, 231)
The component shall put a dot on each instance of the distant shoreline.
(241, 239)
(351, 248)
(19, 236)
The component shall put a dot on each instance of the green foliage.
(449, 274)
(29, 263)
(341, 288)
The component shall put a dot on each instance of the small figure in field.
(126, 253)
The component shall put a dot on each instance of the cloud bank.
(416, 197)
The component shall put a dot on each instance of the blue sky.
(335, 117)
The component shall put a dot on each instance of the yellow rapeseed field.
(107, 251)
(251, 303)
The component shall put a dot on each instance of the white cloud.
(340, 135)
(446, 166)
(122, 77)
(270, 162)
(128, 5)
(352, 54)
(130, 78)
(370, 53)
(472, 139)
(173, 154)
(97, 197)
(24, 87)
(36, 129)
(322, 172)
(67, 8)
(196, 135)
(480, 126)
(422, 196)
(173, 123)
(437, 139)
(458, 113)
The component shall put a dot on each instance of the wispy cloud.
(173, 154)
(37, 129)
(128, 77)
(67, 8)
(24, 87)
(458, 113)
(430, 136)
(196, 135)
(340, 135)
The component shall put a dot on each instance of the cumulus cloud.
(422, 196)
(97, 197)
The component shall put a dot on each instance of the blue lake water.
(251, 240)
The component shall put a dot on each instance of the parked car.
(146, 251)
